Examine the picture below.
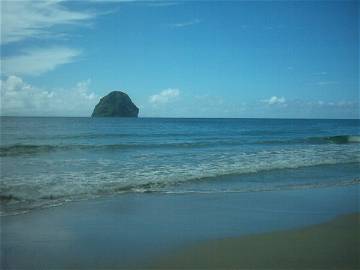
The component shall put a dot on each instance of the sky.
(181, 58)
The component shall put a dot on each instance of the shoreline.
(133, 230)
(331, 245)
(9, 204)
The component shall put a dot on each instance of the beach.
(331, 245)
(119, 193)
(161, 231)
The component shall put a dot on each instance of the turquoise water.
(49, 161)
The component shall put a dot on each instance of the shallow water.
(49, 161)
(132, 230)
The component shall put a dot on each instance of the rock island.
(115, 104)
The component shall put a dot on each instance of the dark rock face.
(115, 104)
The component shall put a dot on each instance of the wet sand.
(331, 245)
(143, 230)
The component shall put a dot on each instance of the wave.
(339, 139)
(13, 205)
(21, 149)
(173, 188)
(28, 149)
(187, 134)
(25, 149)
(107, 135)
(106, 183)
(343, 139)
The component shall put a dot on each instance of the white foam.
(354, 139)
(111, 176)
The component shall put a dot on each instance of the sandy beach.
(161, 230)
(331, 245)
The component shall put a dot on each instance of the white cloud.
(184, 24)
(82, 89)
(149, 3)
(21, 98)
(208, 105)
(111, 1)
(274, 100)
(164, 96)
(162, 3)
(298, 108)
(37, 61)
(322, 73)
(24, 20)
(322, 83)
(320, 103)
(35, 19)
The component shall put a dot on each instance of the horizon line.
(180, 117)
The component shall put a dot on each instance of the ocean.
(48, 161)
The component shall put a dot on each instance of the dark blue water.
(48, 161)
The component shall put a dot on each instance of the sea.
(50, 161)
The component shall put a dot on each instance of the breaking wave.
(342, 139)
(28, 149)
(12, 204)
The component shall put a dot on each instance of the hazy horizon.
(178, 117)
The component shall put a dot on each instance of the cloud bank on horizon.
(19, 98)
(181, 59)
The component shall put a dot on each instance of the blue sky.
(182, 59)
